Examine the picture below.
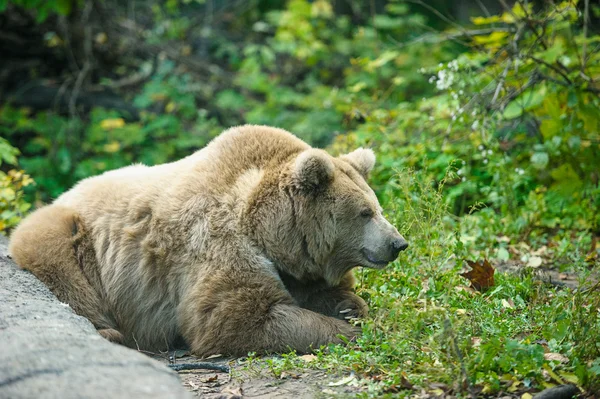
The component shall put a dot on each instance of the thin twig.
(554, 68)
(501, 82)
(87, 65)
(436, 12)
(459, 355)
(484, 8)
(200, 365)
(586, 21)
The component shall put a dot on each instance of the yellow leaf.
(112, 147)
(485, 20)
(508, 18)
(552, 374)
(101, 38)
(572, 378)
(322, 9)
(170, 107)
(307, 358)
(526, 396)
(514, 386)
(186, 50)
(493, 38)
(487, 388)
(112, 123)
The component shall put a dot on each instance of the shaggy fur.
(245, 245)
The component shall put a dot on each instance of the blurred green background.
(484, 115)
(504, 94)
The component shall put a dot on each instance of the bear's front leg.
(339, 301)
(254, 316)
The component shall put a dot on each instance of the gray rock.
(47, 351)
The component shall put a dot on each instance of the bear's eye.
(367, 213)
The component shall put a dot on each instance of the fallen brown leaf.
(307, 358)
(557, 357)
(211, 379)
(481, 275)
(233, 393)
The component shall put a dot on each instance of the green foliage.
(42, 8)
(13, 205)
(72, 149)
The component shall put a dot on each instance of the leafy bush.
(13, 205)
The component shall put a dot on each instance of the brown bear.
(245, 245)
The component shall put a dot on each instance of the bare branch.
(586, 21)
(501, 82)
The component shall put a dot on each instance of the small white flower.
(475, 125)
(490, 152)
(485, 161)
(480, 148)
(463, 179)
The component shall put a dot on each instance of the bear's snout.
(398, 245)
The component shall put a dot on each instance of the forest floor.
(268, 377)
(257, 380)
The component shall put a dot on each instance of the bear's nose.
(398, 245)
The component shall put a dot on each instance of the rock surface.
(47, 351)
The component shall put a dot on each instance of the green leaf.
(539, 160)
(567, 182)
(513, 110)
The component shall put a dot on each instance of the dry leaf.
(481, 275)
(503, 239)
(307, 358)
(343, 381)
(556, 356)
(534, 261)
(475, 341)
(509, 304)
(465, 289)
(233, 392)
(211, 379)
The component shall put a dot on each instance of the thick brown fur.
(245, 245)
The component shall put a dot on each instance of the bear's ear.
(362, 159)
(313, 169)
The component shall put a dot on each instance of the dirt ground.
(253, 381)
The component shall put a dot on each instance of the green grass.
(428, 330)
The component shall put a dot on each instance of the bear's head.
(316, 217)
